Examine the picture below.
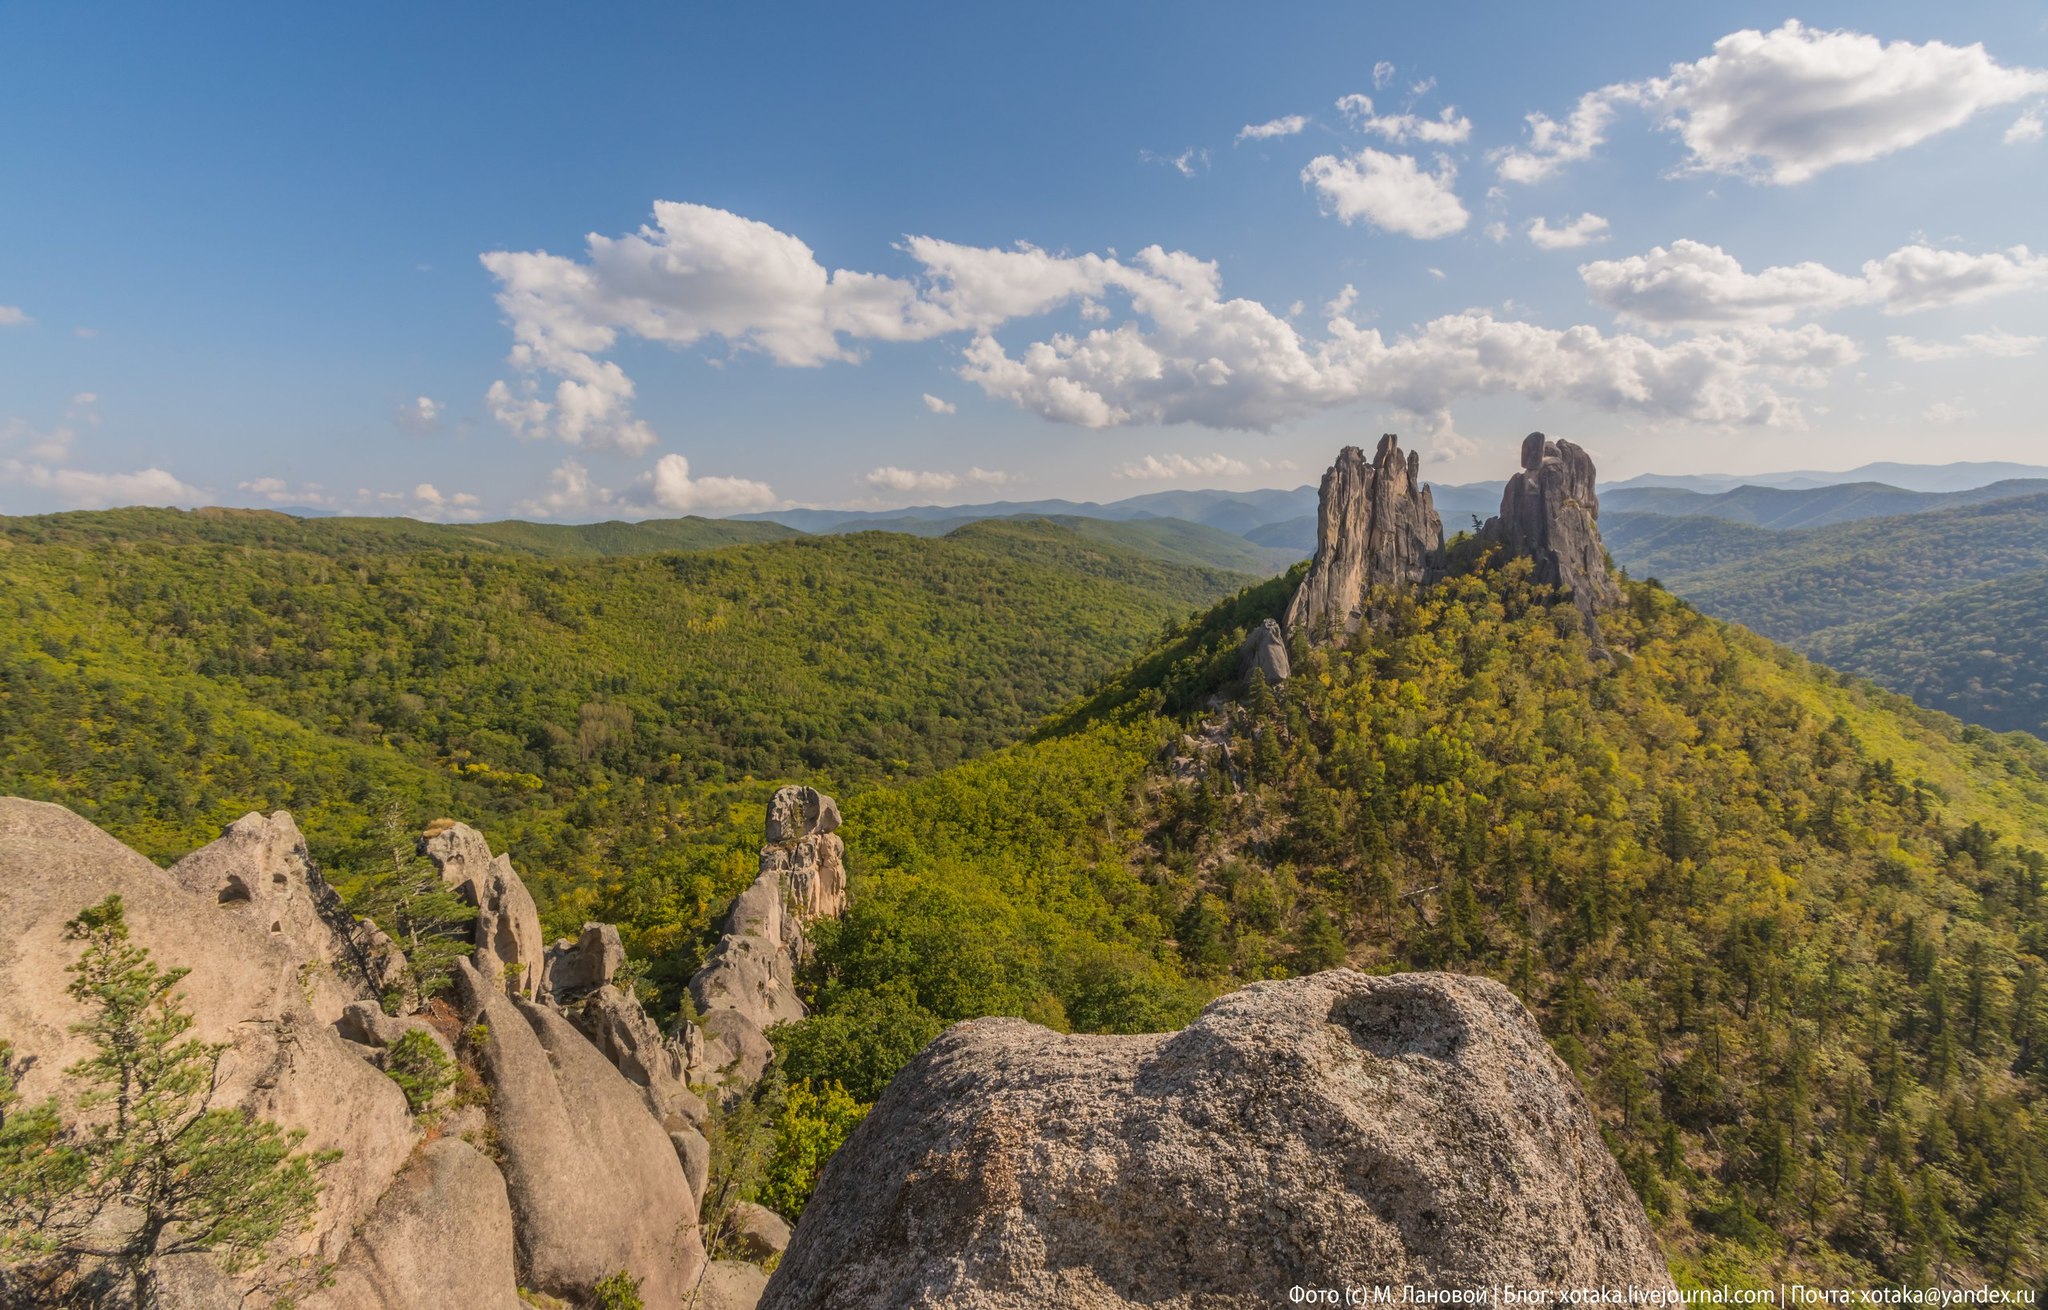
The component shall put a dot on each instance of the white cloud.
(1278, 465)
(2030, 126)
(39, 460)
(992, 477)
(1448, 128)
(1390, 192)
(85, 333)
(1581, 231)
(12, 316)
(670, 486)
(1166, 468)
(1382, 74)
(1271, 128)
(1783, 106)
(889, 478)
(81, 489)
(1943, 413)
(1182, 352)
(937, 406)
(419, 416)
(1694, 284)
(1188, 163)
(1993, 344)
(280, 492)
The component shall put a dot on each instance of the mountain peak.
(1376, 526)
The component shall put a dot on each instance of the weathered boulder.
(695, 1153)
(1550, 513)
(730, 1285)
(589, 962)
(758, 1232)
(813, 872)
(509, 946)
(619, 1027)
(594, 1181)
(751, 971)
(1327, 1131)
(1265, 651)
(246, 987)
(1376, 526)
(441, 1236)
(259, 867)
(795, 812)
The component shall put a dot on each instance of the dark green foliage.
(813, 1122)
(619, 1291)
(422, 913)
(190, 1179)
(861, 1041)
(420, 1068)
(1945, 606)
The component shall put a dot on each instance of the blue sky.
(243, 249)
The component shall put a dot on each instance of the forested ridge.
(1933, 604)
(1786, 926)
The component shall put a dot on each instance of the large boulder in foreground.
(1328, 1131)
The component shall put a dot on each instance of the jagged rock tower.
(1550, 513)
(1375, 526)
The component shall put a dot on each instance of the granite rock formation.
(1265, 651)
(1376, 526)
(509, 945)
(599, 1156)
(1551, 513)
(1327, 1131)
(748, 984)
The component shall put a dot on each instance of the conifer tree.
(423, 914)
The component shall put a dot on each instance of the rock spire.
(1550, 513)
(1376, 526)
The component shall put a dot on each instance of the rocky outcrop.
(247, 987)
(748, 984)
(1265, 651)
(595, 1185)
(441, 1236)
(659, 1065)
(260, 868)
(1550, 513)
(730, 1285)
(589, 962)
(803, 847)
(1376, 526)
(1328, 1131)
(509, 946)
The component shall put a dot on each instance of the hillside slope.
(1784, 925)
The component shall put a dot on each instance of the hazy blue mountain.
(1812, 507)
(1960, 476)
(1173, 540)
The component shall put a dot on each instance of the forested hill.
(1786, 926)
(164, 673)
(1933, 604)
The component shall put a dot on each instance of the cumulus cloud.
(2029, 126)
(39, 459)
(1690, 283)
(1785, 105)
(1167, 468)
(1179, 352)
(1944, 413)
(12, 316)
(937, 406)
(1584, 230)
(1994, 345)
(420, 416)
(890, 478)
(1382, 74)
(1272, 127)
(670, 486)
(1391, 192)
(280, 492)
(1448, 128)
(992, 477)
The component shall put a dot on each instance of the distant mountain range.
(1961, 476)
